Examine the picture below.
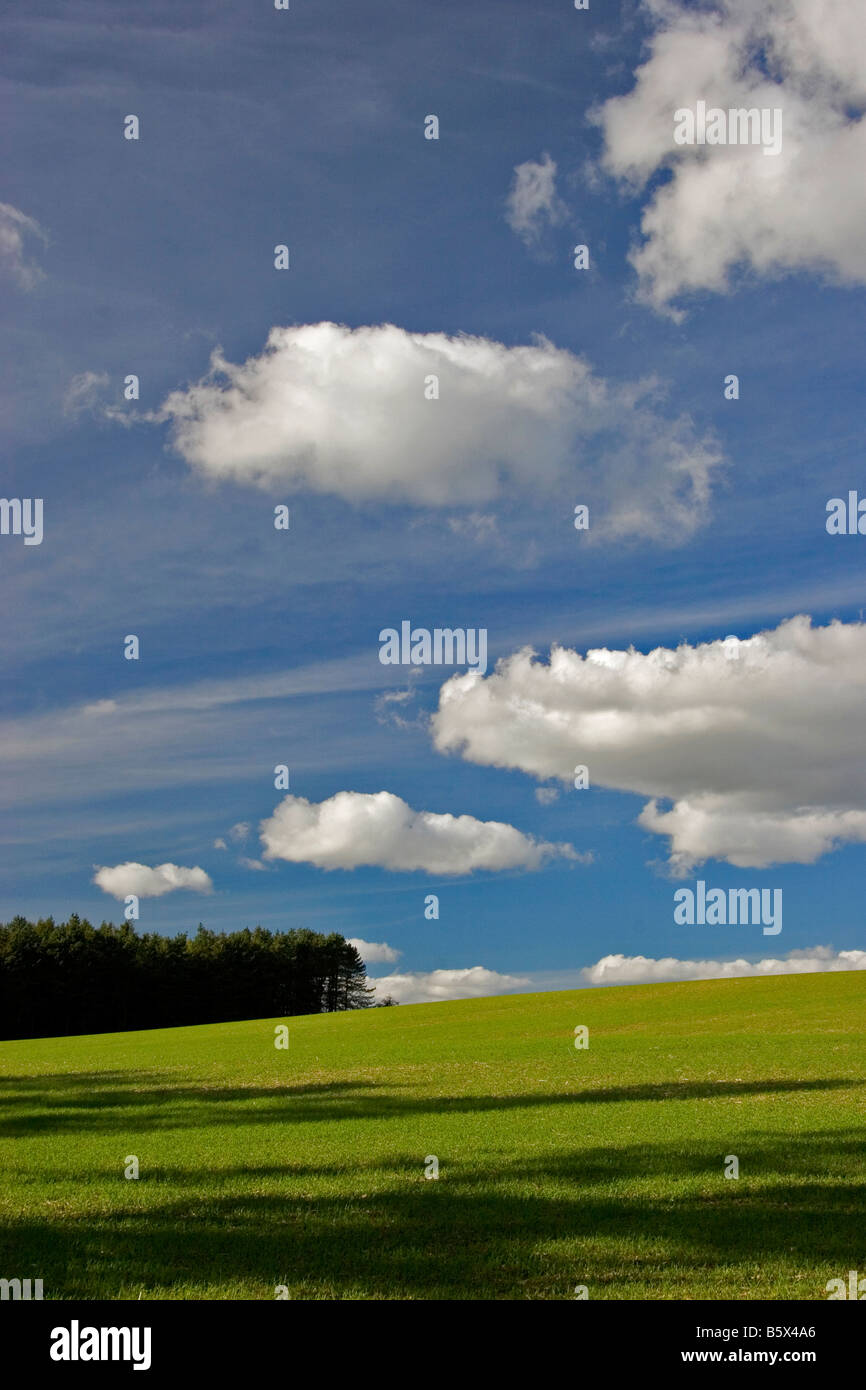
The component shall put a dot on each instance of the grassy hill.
(305, 1167)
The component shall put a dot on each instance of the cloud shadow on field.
(109, 1101)
(658, 1217)
(485, 1230)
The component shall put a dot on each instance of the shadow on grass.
(500, 1229)
(105, 1102)
(108, 1101)
(840, 1153)
(657, 1216)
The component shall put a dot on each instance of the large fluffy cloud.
(125, 879)
(352, 829)
(343, 411)
(643, 970)
(759, 744)
(434, 985)
(726, 205)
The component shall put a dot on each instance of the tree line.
(60, 978)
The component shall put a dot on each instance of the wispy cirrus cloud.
(17, 232)
(85, 394)
(533, 205)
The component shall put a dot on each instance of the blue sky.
(260, 647)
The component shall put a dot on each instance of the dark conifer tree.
(71, 977)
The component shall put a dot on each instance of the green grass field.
(557, 1167)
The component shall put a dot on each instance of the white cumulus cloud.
(476, 982)
(759, 745)
(352, 829)
(643, 970)
(435, 985)
(725, 206)
(343, 411)
(131, 878)
(372, 952)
